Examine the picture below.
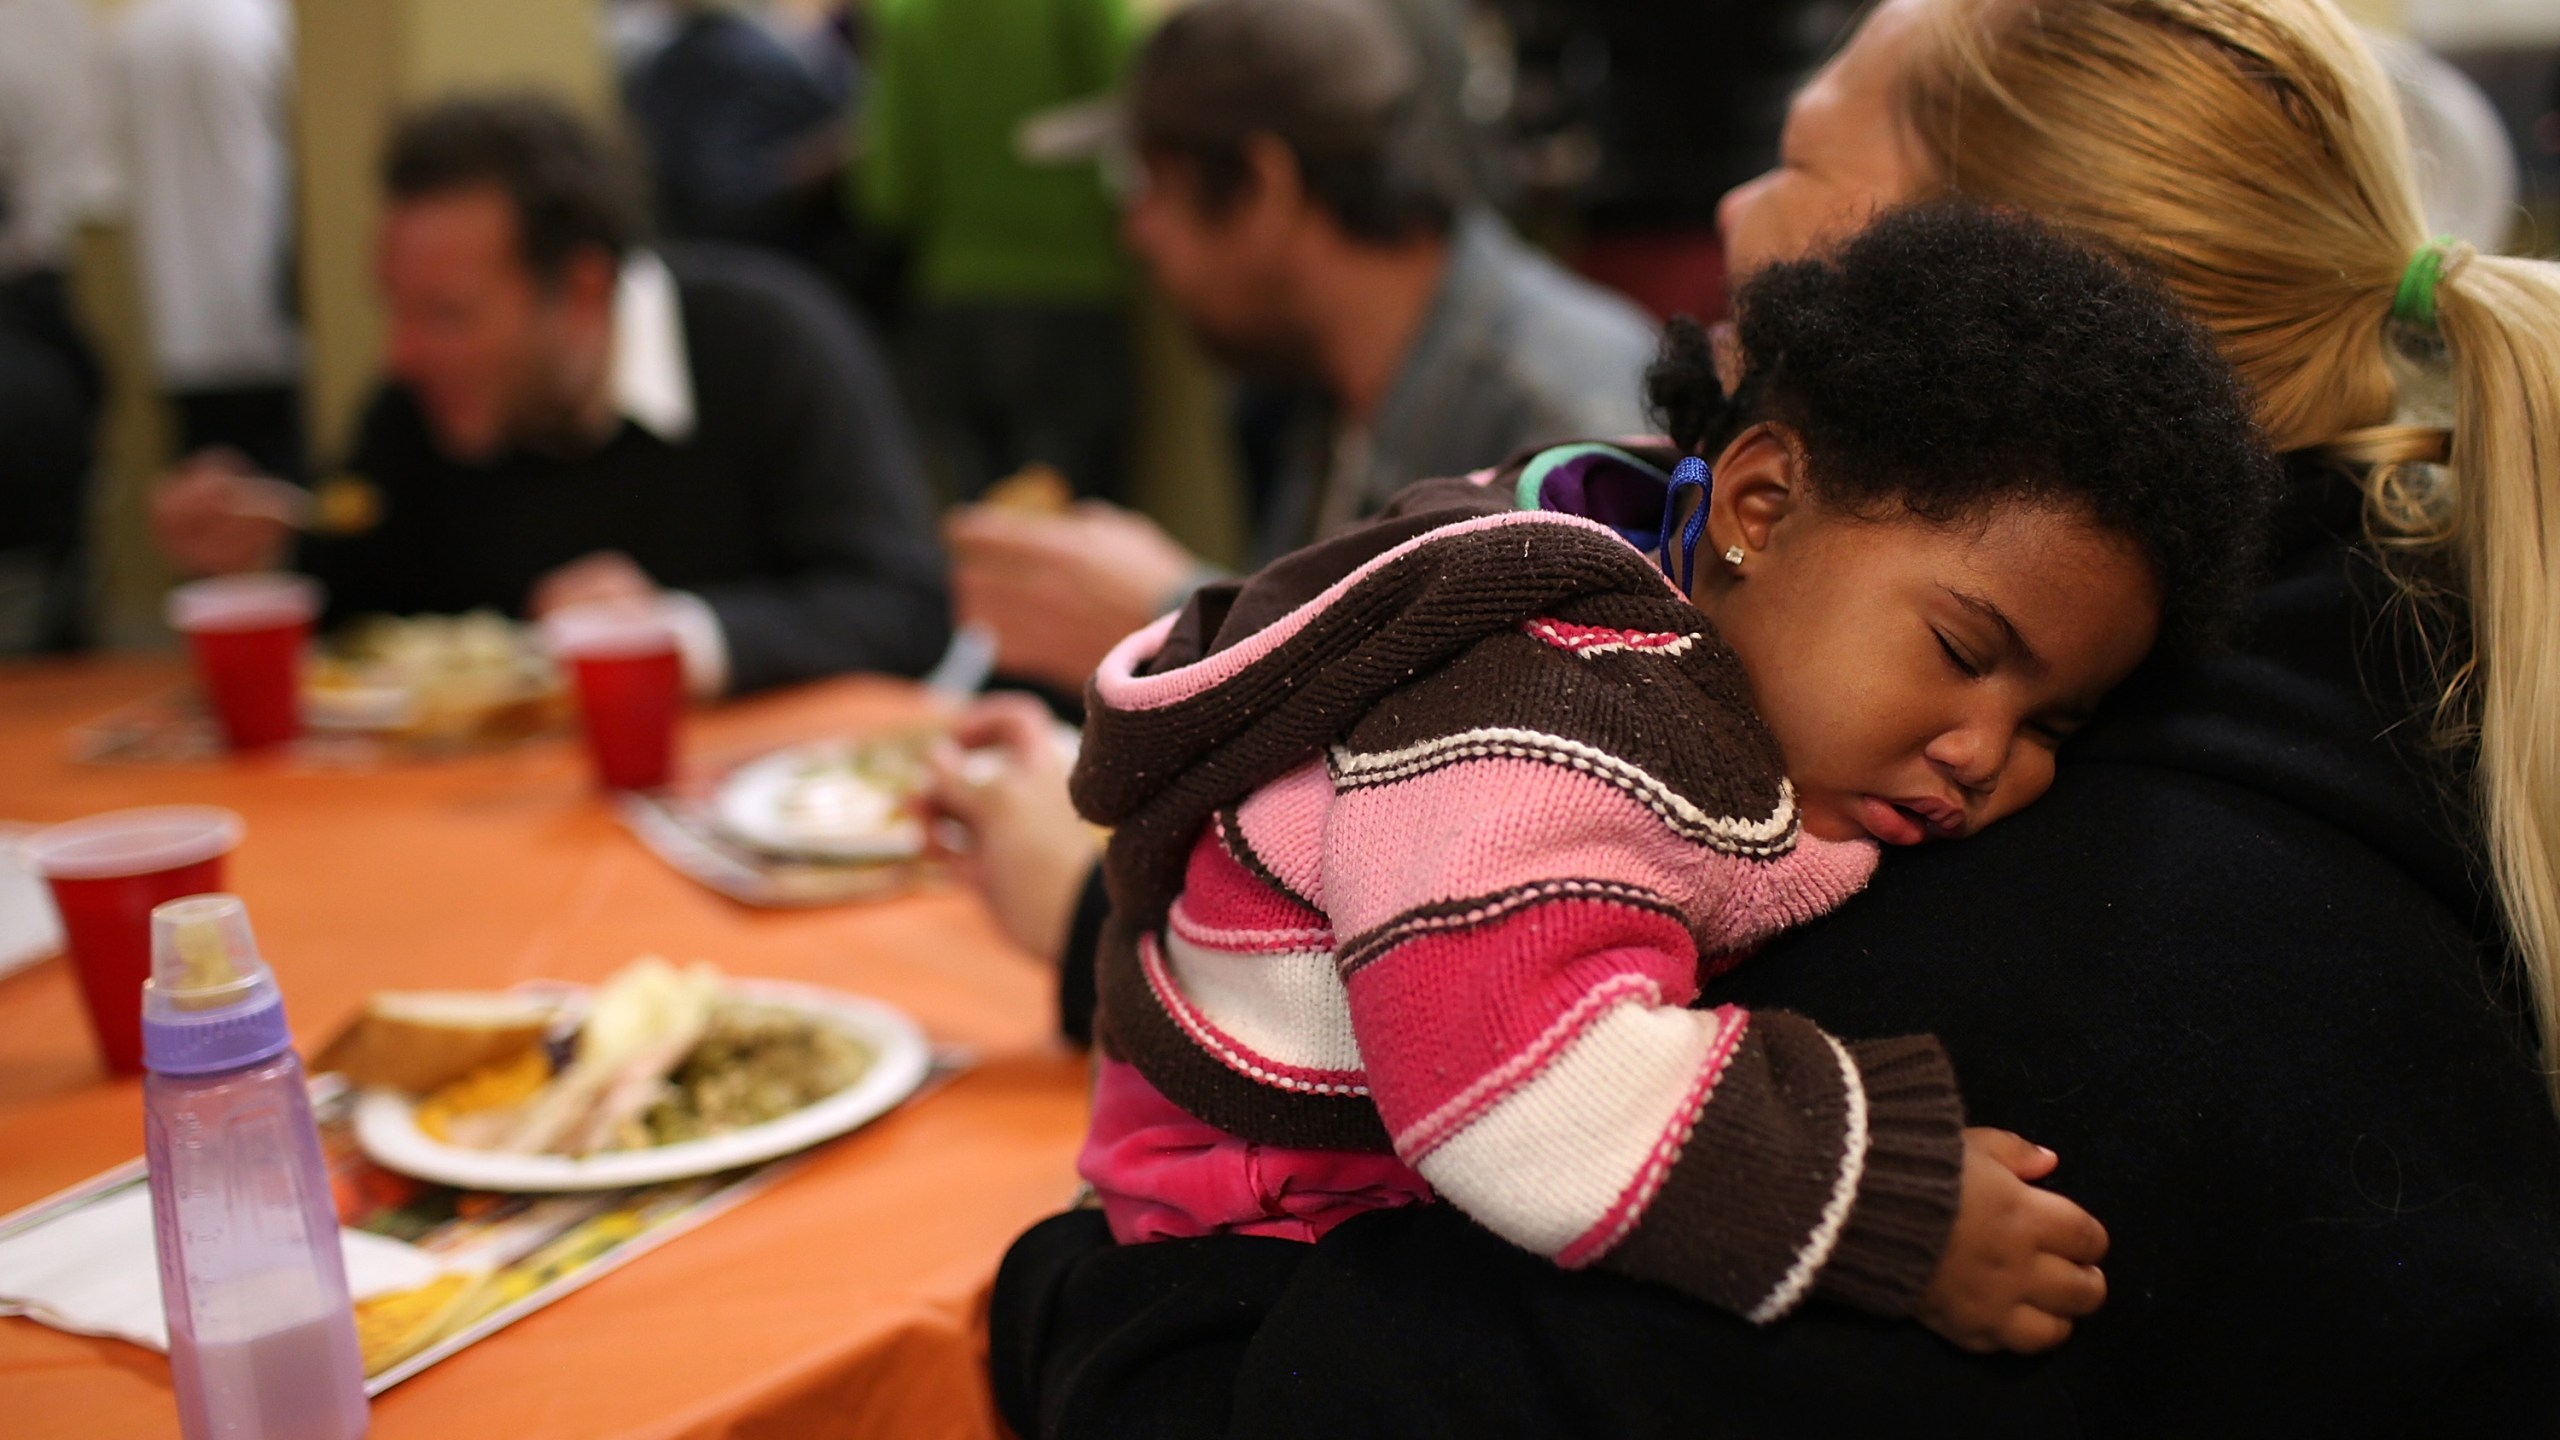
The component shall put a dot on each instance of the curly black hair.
(1949, 358)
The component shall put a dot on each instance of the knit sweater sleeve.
(1523, 903)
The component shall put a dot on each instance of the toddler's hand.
(2021, 1264)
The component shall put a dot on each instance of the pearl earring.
(1733, 555)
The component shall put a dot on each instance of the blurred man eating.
(570, 417)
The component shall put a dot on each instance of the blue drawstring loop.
(1690, 474)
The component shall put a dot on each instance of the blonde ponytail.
(2252, 153)
(2501, 323)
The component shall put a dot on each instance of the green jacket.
(951, 80)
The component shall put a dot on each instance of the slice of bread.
(418, 1040)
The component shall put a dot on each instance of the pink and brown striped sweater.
(1425, 840)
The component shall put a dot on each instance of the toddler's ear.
(1759, 481)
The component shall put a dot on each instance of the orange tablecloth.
(839, 1303)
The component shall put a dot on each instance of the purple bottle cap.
(211, 1004)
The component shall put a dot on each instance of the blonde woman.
(2272, 967)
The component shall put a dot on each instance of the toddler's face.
(1918, 676)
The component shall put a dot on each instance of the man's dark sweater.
(2228, 968)
(795, 508)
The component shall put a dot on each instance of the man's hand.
(1060, 590)
(607, 577)
(2022, 1263)
(214, 515)
(1002, 777)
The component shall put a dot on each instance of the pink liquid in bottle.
(262, 1339)
(270, 1378)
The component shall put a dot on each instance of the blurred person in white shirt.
(54, 173)
(204, 88)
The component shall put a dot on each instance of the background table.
(842, 1302)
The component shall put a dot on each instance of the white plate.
(387, 1126)
(764, 804)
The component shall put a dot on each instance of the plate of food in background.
(841, 801)
(659, 1074)
(435, 679)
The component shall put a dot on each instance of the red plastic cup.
(248, 634)
(630, 679)
(107, 871)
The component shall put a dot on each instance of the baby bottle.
(262, 1341)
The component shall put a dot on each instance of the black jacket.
(2230, 968)
(797, 507)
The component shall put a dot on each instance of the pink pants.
(1163, 1175)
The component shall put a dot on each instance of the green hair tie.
(2415, 302)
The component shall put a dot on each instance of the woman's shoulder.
(2320, 707)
